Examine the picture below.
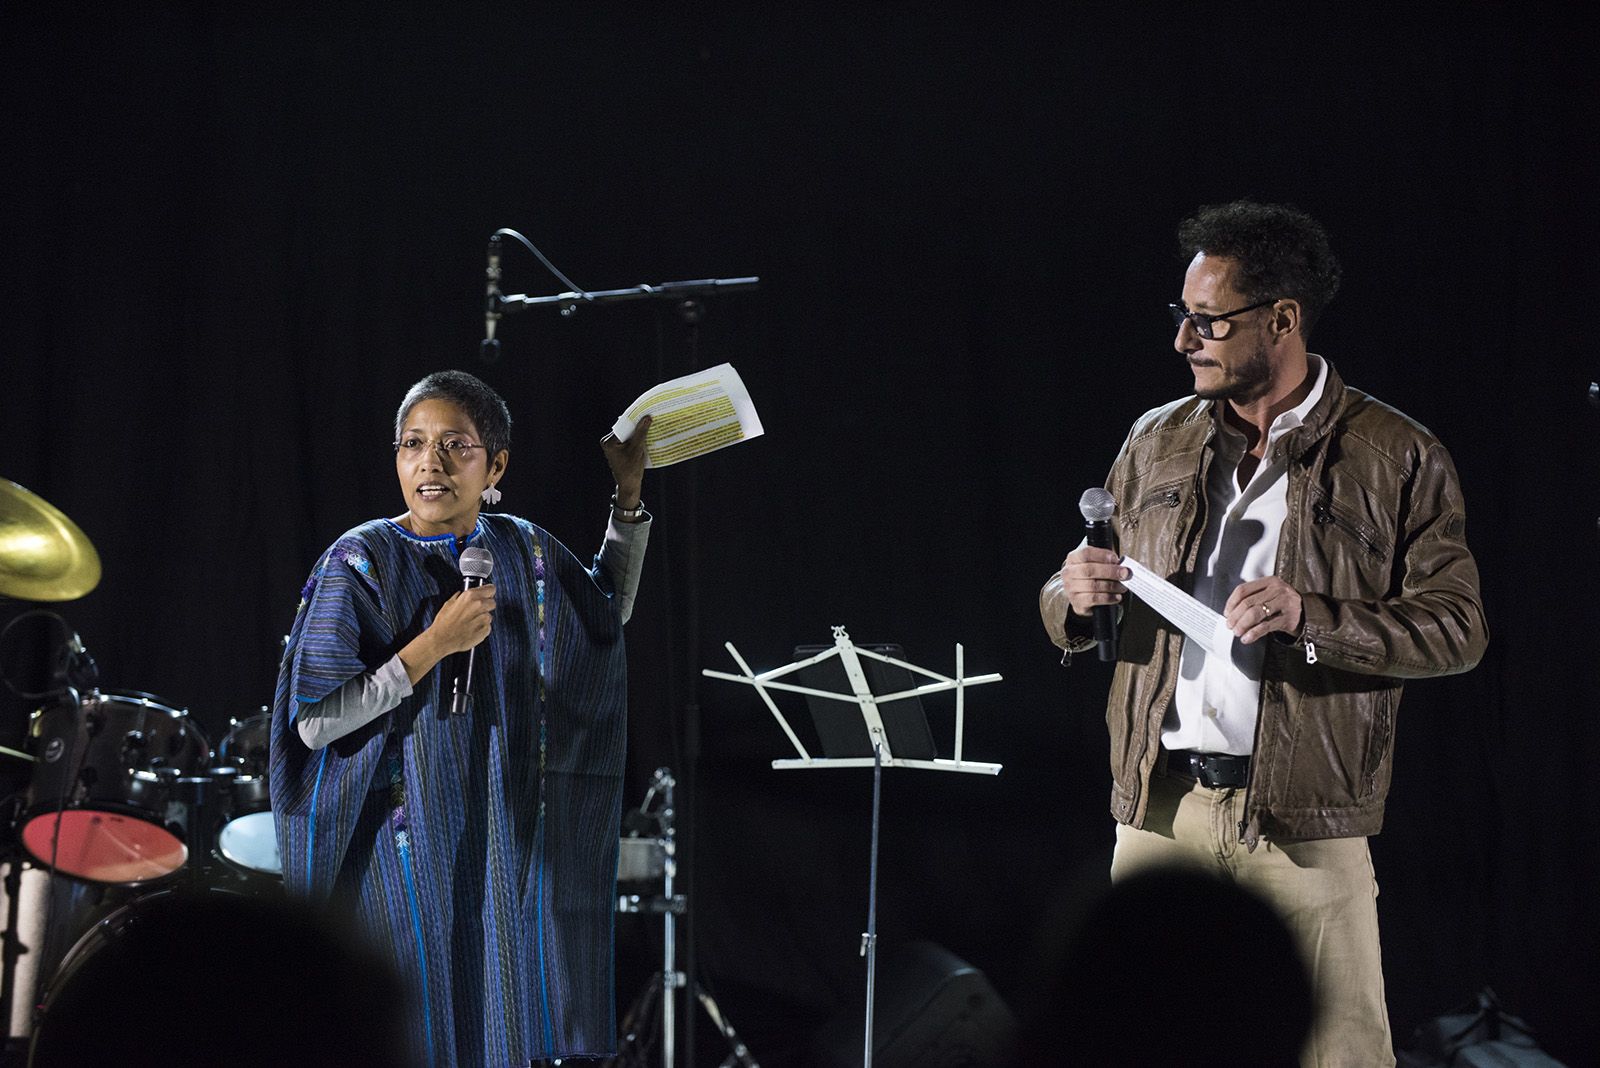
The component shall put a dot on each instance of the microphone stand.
(682, 679)
(1594, 400)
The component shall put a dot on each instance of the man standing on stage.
(1329, 531)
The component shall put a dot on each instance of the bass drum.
(94, 983)
(103, 777)
(205, 976)
(248, 839)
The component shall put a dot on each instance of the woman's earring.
(491, 496)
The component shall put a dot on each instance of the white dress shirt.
(1217, 699)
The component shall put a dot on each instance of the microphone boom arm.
(568, 303)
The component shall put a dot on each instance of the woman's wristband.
(630, 515)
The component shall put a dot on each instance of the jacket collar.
(1322, 416)
(1318, 421)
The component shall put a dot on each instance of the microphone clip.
(493, 301)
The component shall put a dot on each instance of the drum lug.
(134, 744)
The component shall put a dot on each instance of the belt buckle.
(1203, 774)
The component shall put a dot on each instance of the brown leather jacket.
(1374, 541)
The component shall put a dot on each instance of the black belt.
(1213, 770)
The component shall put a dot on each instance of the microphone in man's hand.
(476, 564)
(489, 349)
(1097, 504)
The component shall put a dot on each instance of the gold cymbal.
(43, 554)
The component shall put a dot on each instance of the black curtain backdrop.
(234, 235)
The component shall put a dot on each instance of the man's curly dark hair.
(1281, 252)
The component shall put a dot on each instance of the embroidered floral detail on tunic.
(340, 554)
(397, 800)
(309, 588)
(538, 575)
(352, 558)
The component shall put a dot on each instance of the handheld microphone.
(489, 349)
(476, 564)
(1097, 504)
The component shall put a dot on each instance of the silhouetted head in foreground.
(1174, 967)
(212, 978)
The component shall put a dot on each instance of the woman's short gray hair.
(471, 394)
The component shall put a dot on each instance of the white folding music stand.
(862, 696)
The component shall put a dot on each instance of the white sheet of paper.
(1182, 611)
(694, 415)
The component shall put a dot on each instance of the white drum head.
(252, 842)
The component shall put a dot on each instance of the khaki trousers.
(1323, 888)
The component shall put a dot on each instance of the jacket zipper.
(1319, 514)
(1201, 503)
(1295, 508)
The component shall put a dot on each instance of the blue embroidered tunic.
(481, 848)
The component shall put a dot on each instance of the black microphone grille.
(1097, 504)
(476, 562)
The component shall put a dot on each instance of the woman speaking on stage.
(479, 848)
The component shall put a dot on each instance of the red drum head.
(105, 847)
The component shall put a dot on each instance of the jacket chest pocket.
(1151, 527)
(1358, 533)
(1346, 550)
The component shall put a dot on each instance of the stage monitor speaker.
(933, 1010)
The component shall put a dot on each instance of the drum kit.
(126, 791)
(125, 799)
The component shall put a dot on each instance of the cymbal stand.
(12, 943)
(655, 1009)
